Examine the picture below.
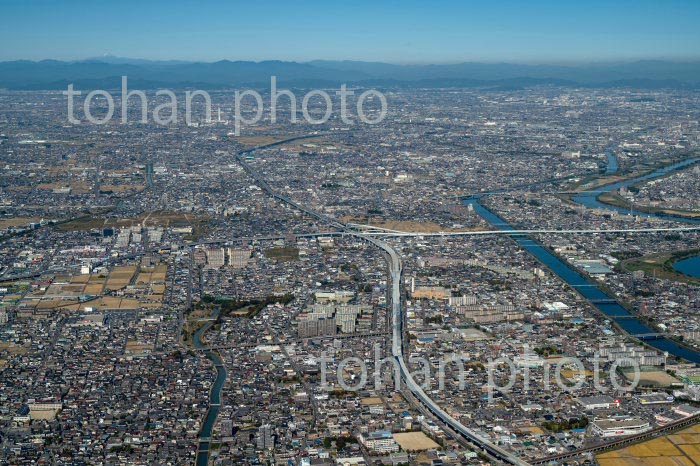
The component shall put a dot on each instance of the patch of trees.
(561, 425)
(433, 320)
(340, 442)
(546, 350)
(253, 305)
(622, 255)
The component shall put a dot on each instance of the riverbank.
(589, 289)
(613, 174)
(661, 265)
(591, 197)
(615, 200)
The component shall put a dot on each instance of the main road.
(369, 233)
(395, 270)
(397, 341)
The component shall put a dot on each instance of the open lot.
(16, 222)
(415, 441)
(679, 449)
(65, 292)
(659, 379)
(119, 277)
(149, 219)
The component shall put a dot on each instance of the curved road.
(395, 270)
(397, 315)
(397, 353)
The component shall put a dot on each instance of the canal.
(214, 394)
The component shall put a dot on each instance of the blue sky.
(407, 31)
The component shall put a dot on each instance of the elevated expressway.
(397, 341)
(385, 232)
(370, 234)
(395, 270)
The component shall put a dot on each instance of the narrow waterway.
(613, 165)
(149, 175)
(587, 287)
(214, 396)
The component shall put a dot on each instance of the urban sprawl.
(332, 294)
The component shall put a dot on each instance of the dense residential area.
(323, 294)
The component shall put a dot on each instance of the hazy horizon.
(109, 57)
(541, 31)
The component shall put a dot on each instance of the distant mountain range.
(106, 72)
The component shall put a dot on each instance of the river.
(689, 266)
(587, 287)
(214, 395)
(613, 166)
(590, 198)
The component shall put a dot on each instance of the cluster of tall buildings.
(628, 355)
(265, 439)
(323, 319)
(487, 313)
(317, 327)
(216, 257)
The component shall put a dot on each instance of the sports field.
(415, 441)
